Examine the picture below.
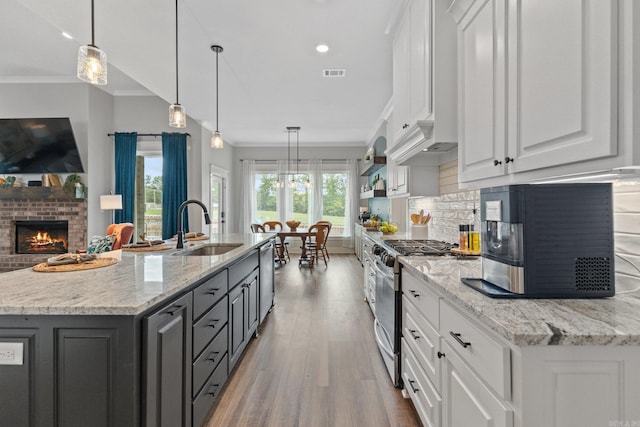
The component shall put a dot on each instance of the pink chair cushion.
(123, 233)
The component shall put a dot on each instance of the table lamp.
(111, 202)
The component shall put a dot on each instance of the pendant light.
(177, 114)
(216, 139)
(290, 129)
(92, 62)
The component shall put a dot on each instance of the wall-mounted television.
(38, 145)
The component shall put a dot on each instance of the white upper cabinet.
(412, 68)
(424, 83)
(540, 87)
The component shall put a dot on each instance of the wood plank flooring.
(315, 362)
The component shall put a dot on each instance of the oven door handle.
(376, 327)
(381, 272)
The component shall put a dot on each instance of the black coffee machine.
(547, 241)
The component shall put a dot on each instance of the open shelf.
(373, 193)
(372, 166)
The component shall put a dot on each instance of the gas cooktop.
(420, 247)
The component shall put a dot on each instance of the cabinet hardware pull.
(174, 310)
(414, 293)
(413, 334)
(213, 291)
(213, 356)
(497, 162)
(215, 389)
(440, 355)
(415, 390)
(508, 159)
(457, 338)
(213, 323)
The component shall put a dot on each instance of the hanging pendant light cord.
(297, 152)
(93, 32)
(217, 73)
(177, 99)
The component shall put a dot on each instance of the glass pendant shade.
(292, 183)
(308, 183)
(216, 140)
(177, 116)
(92, 65)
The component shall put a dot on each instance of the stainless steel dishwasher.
(267, 278)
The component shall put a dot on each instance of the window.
(327, 198)
(148, 200)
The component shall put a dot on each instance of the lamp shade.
(216, 140)
(111, 201)
(92, 65)
(177, 116)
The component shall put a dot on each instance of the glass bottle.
(464, 237)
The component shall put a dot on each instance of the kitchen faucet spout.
(180, 233)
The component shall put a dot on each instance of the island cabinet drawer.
(242, 268)
(209, 326)
(209, 359)
(204, 401)
(425, 396)
(484, 354)
(425, 300)
(209, 293)
(423, 339)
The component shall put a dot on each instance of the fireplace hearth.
(42, 237)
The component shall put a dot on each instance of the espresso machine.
(547, 241)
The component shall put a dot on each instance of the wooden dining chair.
(257, 228)
(316, 239)
(323, 248)
(283, 250)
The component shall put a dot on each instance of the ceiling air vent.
(334, 72)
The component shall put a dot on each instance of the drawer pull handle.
(173, 310)
(413, 334)
(440, 355)
(213, 291)
(214, 390)
(213, 356)
(213, 323)
(414, 293)
(457, 338)
(413, 389)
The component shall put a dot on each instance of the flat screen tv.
(42, 145)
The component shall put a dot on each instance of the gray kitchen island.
(149, 341)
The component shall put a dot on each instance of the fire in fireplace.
(42, 237)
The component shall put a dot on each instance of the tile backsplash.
(450, 210)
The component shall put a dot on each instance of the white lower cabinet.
(467, 401)
(460, 373)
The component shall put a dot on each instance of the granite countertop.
(603, 321)
(139, 281)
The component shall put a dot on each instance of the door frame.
(224, 174)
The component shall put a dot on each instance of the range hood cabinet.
(419, 140)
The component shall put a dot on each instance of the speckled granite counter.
(136, 283)
(607, 321)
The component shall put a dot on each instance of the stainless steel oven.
(388, 294)
(386, 300)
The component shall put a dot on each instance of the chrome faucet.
(180, 234)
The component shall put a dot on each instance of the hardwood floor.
(315, 362)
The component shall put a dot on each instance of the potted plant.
(74, 186)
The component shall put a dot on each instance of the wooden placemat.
(192, 239)
(153, 248)
(43, 267)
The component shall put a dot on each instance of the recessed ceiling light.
(322, 48)
(67, 35)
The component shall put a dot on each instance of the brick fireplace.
(38, 204)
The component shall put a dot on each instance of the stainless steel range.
(388, 294)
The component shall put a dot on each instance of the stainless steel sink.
(211, 249)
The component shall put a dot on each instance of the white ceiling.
(270, 74)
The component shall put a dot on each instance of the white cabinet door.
(402, 179)
(412, 68)
(400, 80)
(481, 86)
(562, 68)
(466, 400)
(419, 19)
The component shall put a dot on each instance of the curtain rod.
(302, 160)
(148, 134)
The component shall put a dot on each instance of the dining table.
(302, 233)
